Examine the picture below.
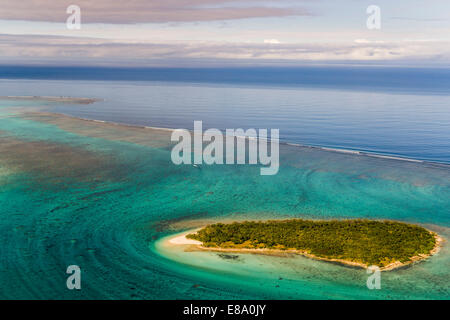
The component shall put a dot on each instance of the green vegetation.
(363, 241)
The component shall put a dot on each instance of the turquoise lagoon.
(105, 197)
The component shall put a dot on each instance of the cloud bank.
(70, 50)
(142, 11)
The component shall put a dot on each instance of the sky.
(225, 32)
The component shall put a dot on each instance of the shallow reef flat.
(53, 159)
(153, 137)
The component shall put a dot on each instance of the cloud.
(142, 11)
(272, 41)
(365, 41)
(88, 51)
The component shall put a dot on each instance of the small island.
(361, 243)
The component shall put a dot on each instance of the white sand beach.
(182, 240)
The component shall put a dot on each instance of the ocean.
(105, 197)
(392, 111)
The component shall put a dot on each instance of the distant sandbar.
(61, 99)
